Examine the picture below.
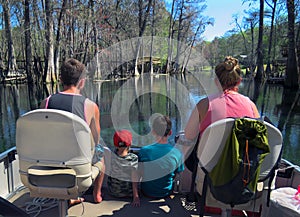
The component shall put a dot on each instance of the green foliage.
(233, 44)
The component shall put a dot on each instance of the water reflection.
(131, 103)
(138, 99)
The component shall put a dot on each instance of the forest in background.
(37, 35)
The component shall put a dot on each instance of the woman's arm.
(255, 110)
(192, 128)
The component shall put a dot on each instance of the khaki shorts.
(99, 165)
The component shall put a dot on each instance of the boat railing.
(288, 174)
(9, 171)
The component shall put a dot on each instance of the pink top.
(227, 105)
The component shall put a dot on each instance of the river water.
(132, 103)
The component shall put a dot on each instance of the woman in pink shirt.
(227, 103)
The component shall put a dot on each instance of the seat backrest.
(53, 136)
(211, 145)
(55, 150)
(214, 137)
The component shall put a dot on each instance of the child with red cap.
(123, 177)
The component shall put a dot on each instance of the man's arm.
(93, 119)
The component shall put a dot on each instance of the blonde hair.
(162, 125)
(228, 72)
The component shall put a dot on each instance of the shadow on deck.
(174, 205)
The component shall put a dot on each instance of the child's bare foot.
(97, 197)
(73, 202)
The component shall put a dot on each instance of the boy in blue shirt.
(160, 162)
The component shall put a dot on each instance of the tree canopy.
(37, 35)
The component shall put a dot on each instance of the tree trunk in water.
(96, 34)
(143, 18)
(30, 75)
(50, 72)
(152, 35)
(170, 44)
(252, 59)
(11, 63)
(179, 39)
(268, 68)
(260, 57)
(58, 34)
(137, 54)
(292, 69)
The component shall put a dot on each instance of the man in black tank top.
(72, 77)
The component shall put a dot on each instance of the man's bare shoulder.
(43, 104)
(90, 103)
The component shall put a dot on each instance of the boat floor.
(174, 205)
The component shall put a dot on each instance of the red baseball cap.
(122, 138)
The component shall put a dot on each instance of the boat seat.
(210, 147)
(55, 150)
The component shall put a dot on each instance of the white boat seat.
(210, 147)
(55, 150)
